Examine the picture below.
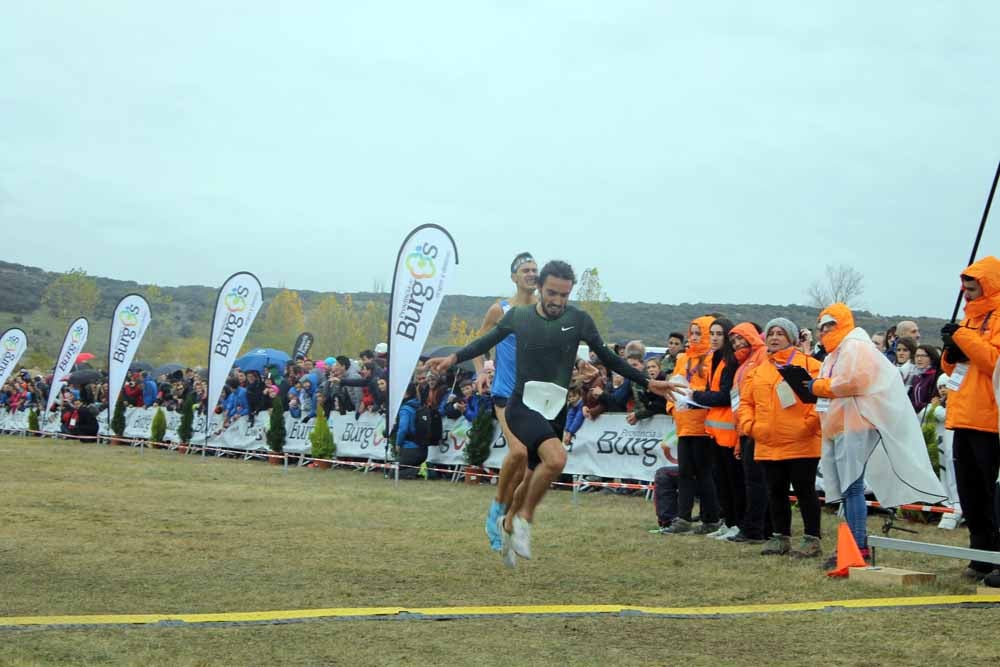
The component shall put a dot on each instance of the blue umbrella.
(261, 358)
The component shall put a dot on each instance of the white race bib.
(958, 376)
(822, 405)
(785, 395)
(545, 398)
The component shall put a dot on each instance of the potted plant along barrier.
(158, 429)
(276, 432)
(186, 428)
(118, 423)
(33, 422)
(323, 447)
(477, 450)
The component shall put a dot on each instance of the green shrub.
(480, 438)
(159, 427)
(276, 428)
(118, 419)
(33, 420)
(186, 428)
(929, 429)
(321, 438)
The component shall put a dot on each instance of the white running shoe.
(731, 532)
(506, 553)
(520, 539)
(721, 530)
(950, 521)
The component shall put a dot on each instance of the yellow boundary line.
(369, 612)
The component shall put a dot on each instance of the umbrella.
(84, 356)
(83, 366)
(85, 376)
(444, 351)
(166, 369)
(261, 358)
(140, 366)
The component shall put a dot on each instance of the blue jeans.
(856, 512)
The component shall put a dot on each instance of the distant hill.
(189, 312)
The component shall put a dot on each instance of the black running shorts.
(531, 428)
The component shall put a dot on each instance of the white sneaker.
(520, 539)
(722, 529)
(506, 553)
(731, 532)
(950, 521)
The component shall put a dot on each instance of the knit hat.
(943, 380)
(787, 325)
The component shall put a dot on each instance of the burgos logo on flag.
(77, 333)
(420, 264)
(10, 342)
(129, 317)
(236, 300)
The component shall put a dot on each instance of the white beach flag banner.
(76, 338)
(128, 326)
(424, 265)
(238, 304)
(13, 343)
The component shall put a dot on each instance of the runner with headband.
(547, 335)
(524, 275)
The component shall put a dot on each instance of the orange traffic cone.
(848, 554)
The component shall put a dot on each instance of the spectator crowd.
(747, 429)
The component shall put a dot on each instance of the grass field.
(92, 529)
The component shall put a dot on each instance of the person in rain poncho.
(869, 427)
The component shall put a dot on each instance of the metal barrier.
(932, 549)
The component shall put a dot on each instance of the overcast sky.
(692, 153)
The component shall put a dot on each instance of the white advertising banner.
(128, 326)
(424, 265)
(13, 343)
(238, 304)
(76, 338)
(606, 447)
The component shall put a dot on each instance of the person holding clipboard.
(786, 431)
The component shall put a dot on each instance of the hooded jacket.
(869, 426)
(780, 433)
(694, 366)
(973, 406)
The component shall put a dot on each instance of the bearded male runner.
(548, 335)
(524, 275)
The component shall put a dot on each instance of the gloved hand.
(947, 331)
(951, 352)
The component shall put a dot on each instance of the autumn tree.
(283, 321)
(337, 327)
(460, 333)
(374, 323)
(592, 298)
(156, 296)
(71, 294)
(840, 284)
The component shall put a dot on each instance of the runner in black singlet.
(548, 335)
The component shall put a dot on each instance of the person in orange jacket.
(695, 449)
(787, 436)
(750, 352)
(720, 424)
(870, 432)
(971, 351)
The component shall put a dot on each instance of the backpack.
(427, 427)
